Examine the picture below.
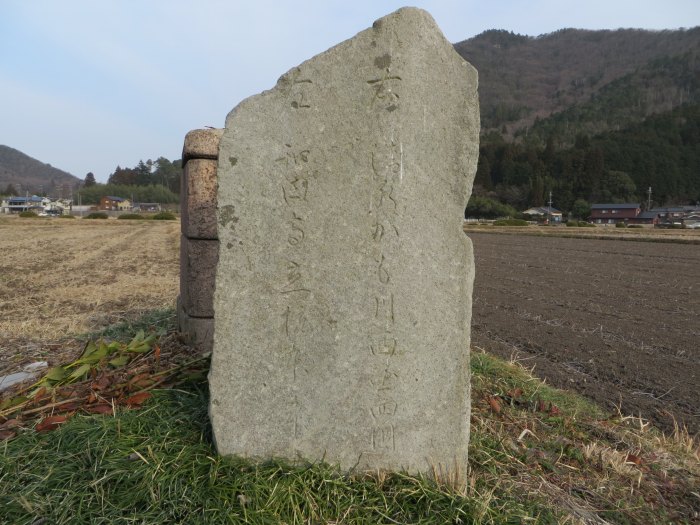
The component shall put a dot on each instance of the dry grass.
(683, 236)
(61, 278)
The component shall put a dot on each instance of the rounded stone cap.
(202, 144)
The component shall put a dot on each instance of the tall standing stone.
(344, 282)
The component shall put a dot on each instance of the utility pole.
(649, 199)
(549, 210)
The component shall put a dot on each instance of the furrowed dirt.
(618, 321)
(60, 278)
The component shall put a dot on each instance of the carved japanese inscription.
(343, 289)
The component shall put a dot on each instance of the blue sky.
(87, 85)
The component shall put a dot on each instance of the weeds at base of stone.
(537, 455)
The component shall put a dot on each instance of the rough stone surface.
(202, 144)
(343, 298)
(199, 199)
(197, 332)
(198, 260)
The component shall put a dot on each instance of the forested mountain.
(589, 115)
(523, 78)
(26, 174)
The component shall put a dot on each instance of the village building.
(146, 206)
(544, 213)
(20, 204)
(614, 213)
(645, 218)
(112, 203)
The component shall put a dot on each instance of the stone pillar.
(199, 248)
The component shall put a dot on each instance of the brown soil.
(618, 321)
(62, 278)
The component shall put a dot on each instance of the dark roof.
(618, 206)
(673, 209)
(113, 198)
(647, 215)
(33, 198)
(544, 210)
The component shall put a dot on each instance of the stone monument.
(342, 305)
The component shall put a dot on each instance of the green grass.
(537, 455)
(157, 465)
(510, 222)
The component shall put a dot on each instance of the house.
(544, 213)
(676, 215)
(112, 203)
(20, 204)
(146, 206)
(57, 207)
(692, 220)
(646, 218)
(614, 213)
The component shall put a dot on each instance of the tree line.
(149, 181)
(617, 166)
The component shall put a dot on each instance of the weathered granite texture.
(199, 205)
(344, 282)
(199, 245)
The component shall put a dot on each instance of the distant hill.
(27, 174)
(523, 78)
(576, 111)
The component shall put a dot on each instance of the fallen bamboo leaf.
(139, 377)
(50, 423)
(80, 372)
(101, 408)
(56, 373)
(13, 402)
(39, 393)
(120, 361)
(137, 399)
(631, 458)
(7, 434)
(10, 424)
(494, 404)
(515, 393)
(101, 383)
(70, 407)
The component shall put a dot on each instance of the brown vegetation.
(59, 279)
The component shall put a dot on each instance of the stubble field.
(61, 278)
(618, 321)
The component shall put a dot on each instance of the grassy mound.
(164, 216)
(537, 455)
(510, 222)
(97, 215)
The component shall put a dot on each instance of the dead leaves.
(102, 389)
(494, 403)
(98, 355)
(50, 423)
(514, 398)
(137, 399)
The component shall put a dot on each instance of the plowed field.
(618, 321)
